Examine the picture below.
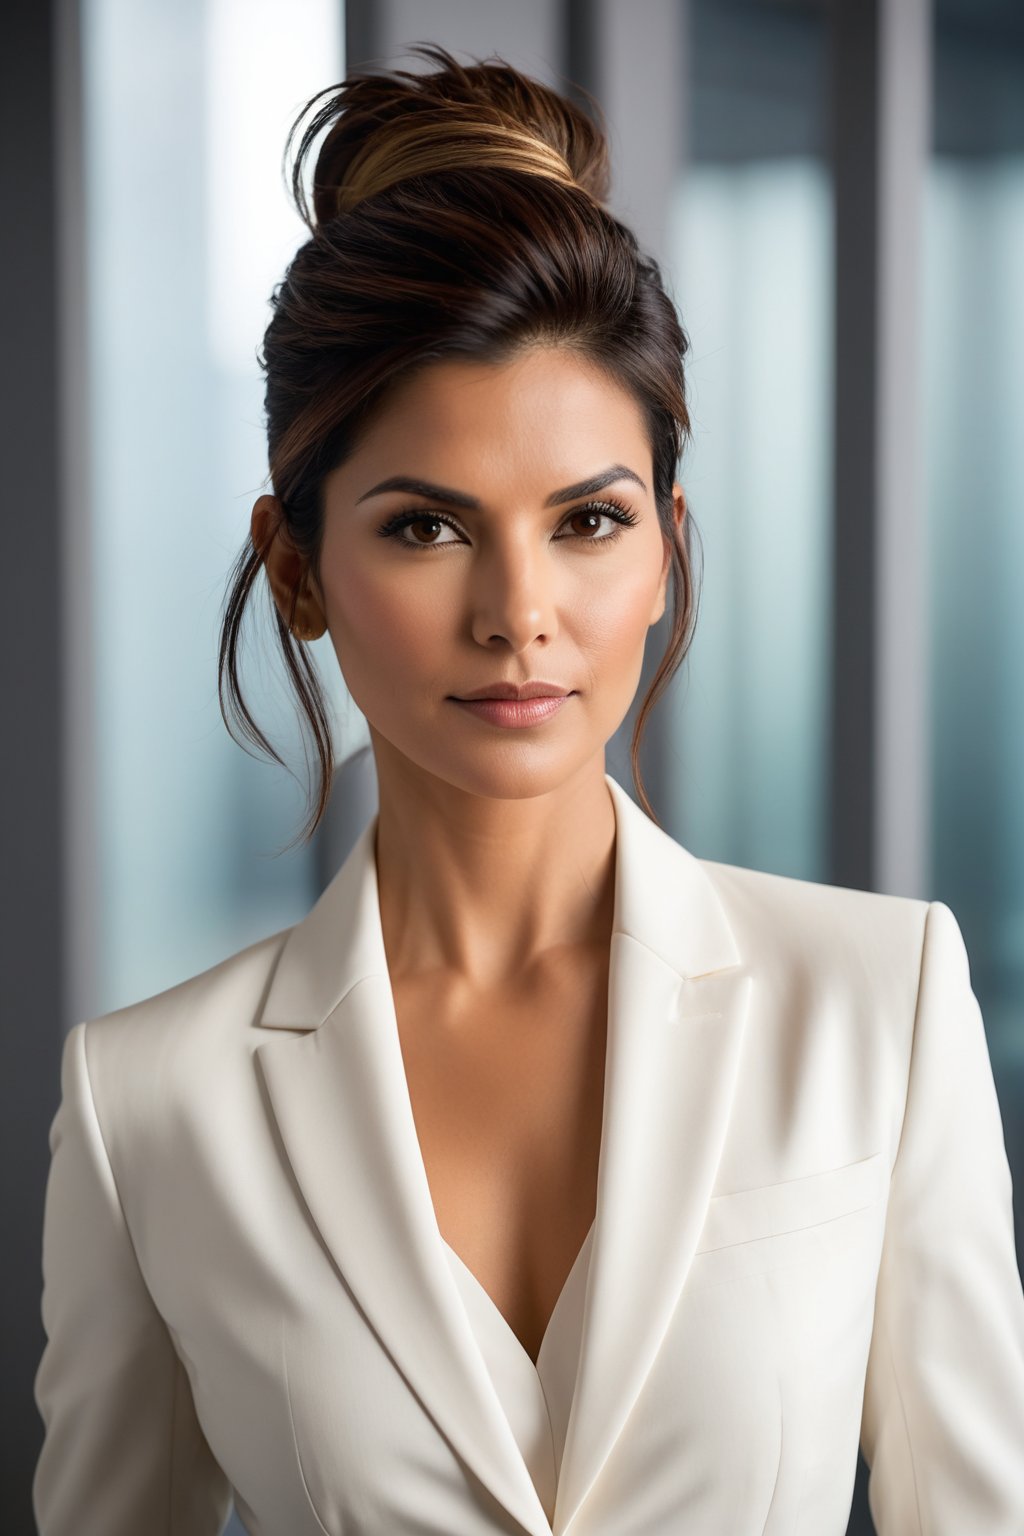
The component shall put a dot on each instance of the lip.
(515, 713)
(538, 688)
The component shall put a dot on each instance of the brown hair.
(456, 213)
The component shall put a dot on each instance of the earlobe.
(659, 606)
(286, 570)
(678, 512)
(271, 542)
(266, 514)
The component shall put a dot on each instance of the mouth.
(534, 690)
(505, 698)
(515, 713)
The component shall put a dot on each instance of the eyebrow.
(588, 487)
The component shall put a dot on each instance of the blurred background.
(835, 192)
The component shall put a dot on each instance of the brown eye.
(591, 516)
(396, 526)
(591, 519)
(431, 522)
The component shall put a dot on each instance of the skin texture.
(495, 848)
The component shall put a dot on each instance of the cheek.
(377, 616)
(612, 617)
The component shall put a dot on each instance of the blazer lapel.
(678, 998)
(677, 1005)
(341, 1101)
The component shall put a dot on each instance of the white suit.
(804, 1240)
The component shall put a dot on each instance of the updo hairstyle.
(457, 213)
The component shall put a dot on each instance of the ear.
(291, 581)
(678, 513)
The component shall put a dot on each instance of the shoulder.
(813, 934)
(185, 1030)
(165, 1089)
(829, 908)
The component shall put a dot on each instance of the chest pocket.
(816, 1201)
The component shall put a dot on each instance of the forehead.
(546, 411)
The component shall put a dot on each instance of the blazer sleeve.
(123, 1452)
(943, 1422)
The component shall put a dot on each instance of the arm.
(123, 1452)
(943, 1422)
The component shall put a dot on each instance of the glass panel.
(753, 281)
(187, 108)
(974, 342)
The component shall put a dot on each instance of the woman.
(545, 1177)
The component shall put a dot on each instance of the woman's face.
(536, 579)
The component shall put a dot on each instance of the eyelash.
(611, 508)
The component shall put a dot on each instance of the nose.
(513, 594)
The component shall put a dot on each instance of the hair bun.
(391, 125)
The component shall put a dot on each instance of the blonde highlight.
(444, 141)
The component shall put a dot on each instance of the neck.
(483, 889)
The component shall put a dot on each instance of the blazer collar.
(678, 997)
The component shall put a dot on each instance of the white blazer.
(803, 1241)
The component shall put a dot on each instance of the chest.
(347, 1364)
(507, 1095)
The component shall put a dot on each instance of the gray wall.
(34, 931)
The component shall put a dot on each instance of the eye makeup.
(609, 507)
